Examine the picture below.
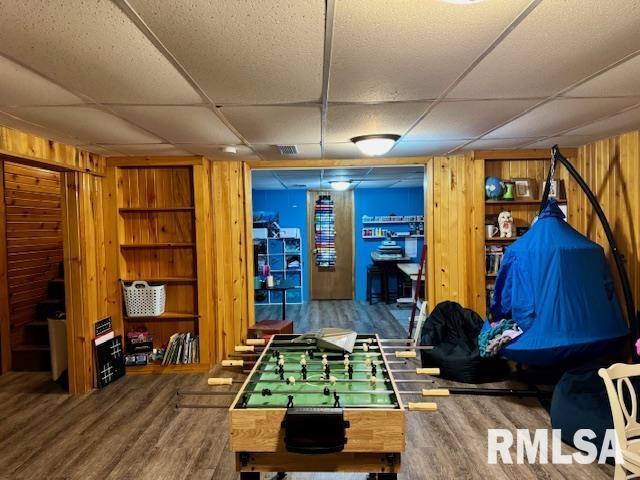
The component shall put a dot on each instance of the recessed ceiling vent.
(287, 149)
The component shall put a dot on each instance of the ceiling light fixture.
(375, 145)
(230, 149)
(340, 184)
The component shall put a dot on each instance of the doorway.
(380, 205)
(331, 277)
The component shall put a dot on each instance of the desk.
(283, 286)
(388, 264)
(411, 271)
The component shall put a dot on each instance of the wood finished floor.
(131, 430)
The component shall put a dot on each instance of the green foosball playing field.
(268, 388)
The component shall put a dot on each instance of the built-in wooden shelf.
(155, 209)
(157, 245)
(162, 279)
(392, 238)
(532, 201)
(164, 316)
(501, 240)
(158, 368)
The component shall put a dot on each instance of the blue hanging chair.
(556, 284)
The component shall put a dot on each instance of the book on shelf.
(182, 348)
(493, 258)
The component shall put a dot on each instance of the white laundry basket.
(144, 300)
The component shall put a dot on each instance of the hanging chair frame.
(557, 156)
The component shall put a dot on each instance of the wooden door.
(336, 282)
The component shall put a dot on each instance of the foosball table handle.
(232, 363)
(244, 348)
(423, 407)
(427, 371)
(435, 392)
(406, 354)
(219, 381)
(255, 341)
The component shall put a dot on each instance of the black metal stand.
(556, 156)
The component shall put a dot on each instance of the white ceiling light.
(340, 184)
(230, 149)
(375, 145)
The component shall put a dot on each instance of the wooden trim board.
(5, 329)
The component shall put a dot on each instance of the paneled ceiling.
(142, 77)
(303, 179)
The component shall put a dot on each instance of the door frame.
(310, 164)
(311, 242)
(79, 346)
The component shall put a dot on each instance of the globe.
(493, 188)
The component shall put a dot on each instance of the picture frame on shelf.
(525, 188)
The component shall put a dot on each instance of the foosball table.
(306, 409)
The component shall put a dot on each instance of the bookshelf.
(284, 257)
(157, 221)
(523, 210)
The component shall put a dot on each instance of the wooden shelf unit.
(523, 210)
(157, 221)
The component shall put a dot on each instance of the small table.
(388, 263)
(411, 271)
(283, 286)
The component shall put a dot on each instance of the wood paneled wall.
(85, 272)
(611, 167)
(40, 152)
(32, 198)
(231, 256)
(455, 232)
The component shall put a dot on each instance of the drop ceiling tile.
(244, 52)
(276, 125)
(215, 151)
(346, 172)
(348, 121)
(621, 80)
(297, 173)
(180, 124)
(101, 150)
(376, 184)
(89, 124)
(562, 141)
(38, 130)
(420, 149)
(559, 115)
(410, 170)
(540, 57)
(270, 152)
(498, 143)
(20, 86)
(342, 150)
(469, 119)
(148, 149)
(409, 49)
(92, 48)
(620, 123)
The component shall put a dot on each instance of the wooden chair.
(625, 422)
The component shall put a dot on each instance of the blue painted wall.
(382, 201)
(292, 207)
